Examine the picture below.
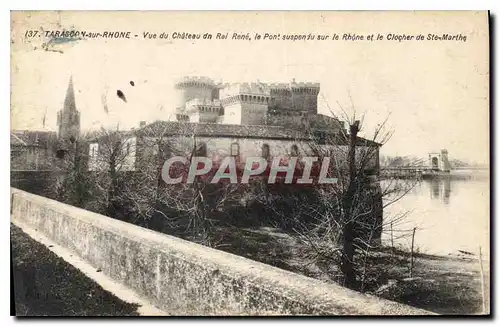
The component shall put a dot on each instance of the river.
(449, 215)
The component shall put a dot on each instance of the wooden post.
(411, 253)
(392, 239)
(36, 157)
(483, 294)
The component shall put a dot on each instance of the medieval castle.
(201, 100)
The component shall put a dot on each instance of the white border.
(192, 5)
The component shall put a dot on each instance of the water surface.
(449, 214)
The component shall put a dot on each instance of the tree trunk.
(113, 185)
(347, 262)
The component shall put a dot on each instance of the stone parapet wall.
(184, 278)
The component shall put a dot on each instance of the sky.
(435, 94)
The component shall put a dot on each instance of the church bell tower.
(68, 119)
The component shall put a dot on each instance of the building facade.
(32, 150)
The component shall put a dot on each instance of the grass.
(445, 285)
(46, 285)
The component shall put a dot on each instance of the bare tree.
(341, 223)
(188, 206)
(105, 160)
(72, 186)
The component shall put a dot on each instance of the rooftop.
(219, 130)
(189, 129)
(32, 138)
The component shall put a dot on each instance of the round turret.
(189, 88)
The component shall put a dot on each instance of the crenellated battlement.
(195, 81)
(245, 98)
(311, 88)
(204, 106)
(258, 89)
(204, 102)
(286, 112)
(294, 85)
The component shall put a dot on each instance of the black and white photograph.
(250, 163)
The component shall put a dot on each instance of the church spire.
(69, 101)
(68, 119)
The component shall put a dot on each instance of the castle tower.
(293, 96)
(202, 111)
(245, 103)
(194, 87)
(293, 102)
(68, 119)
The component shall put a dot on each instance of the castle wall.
(215, 93)
(254, 113)
(286, 119)
(294, 101)
(220, 147)
(246, 113)
(245, 109)
(232, 114)
(203, 117)
(296, 97)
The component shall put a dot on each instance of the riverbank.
(441, 284)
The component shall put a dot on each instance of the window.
(156, 149)
(235, 149)
(266, 152)
(294, 150)
(201, 150)
(320, 137)
(60, 153)
(94, 152)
